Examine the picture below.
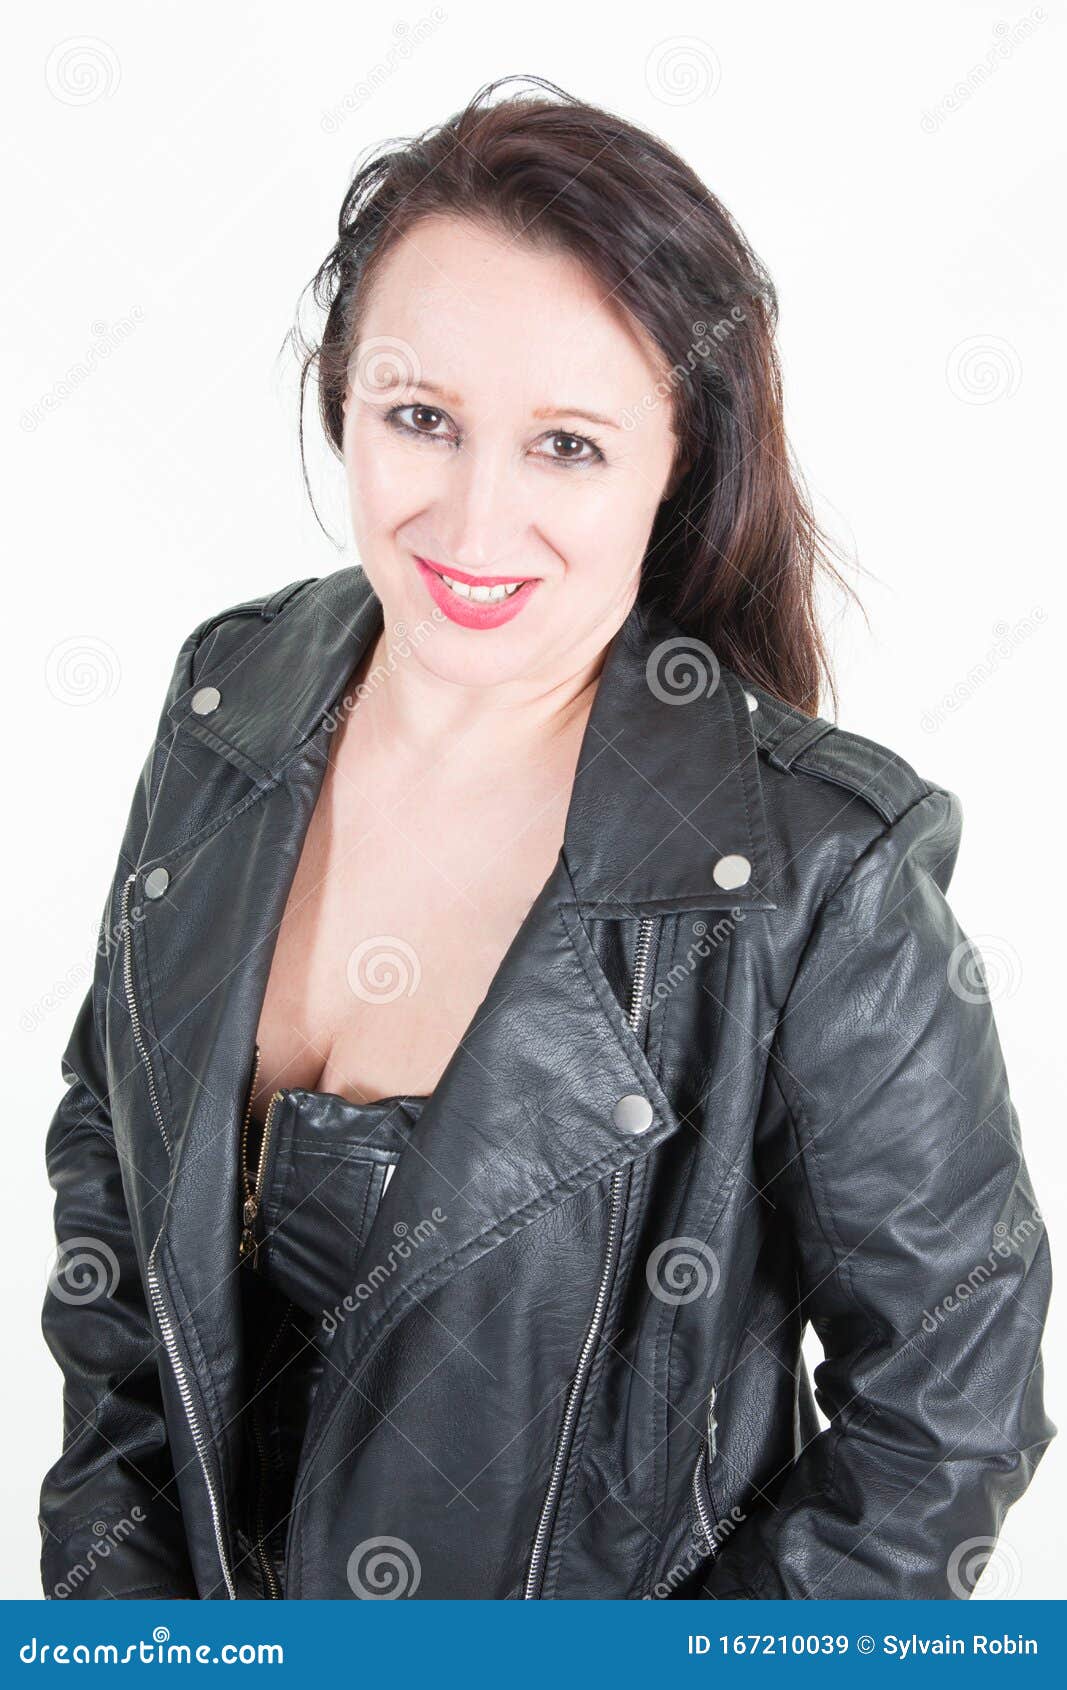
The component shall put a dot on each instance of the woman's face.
(501, 425)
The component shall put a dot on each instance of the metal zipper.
(707, 1449)
(154, 1289)
(247, 1122)
(135, 1019)
(270, 1576)
(249, 1245)
(167, 1330)
(538, 1556)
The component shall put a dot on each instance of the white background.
(173, 178)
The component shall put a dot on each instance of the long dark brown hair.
(735, 552)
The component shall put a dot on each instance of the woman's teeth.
(482, 595)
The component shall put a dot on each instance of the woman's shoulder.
(237, 622)
(285, 624)
(826, 786)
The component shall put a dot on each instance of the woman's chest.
(396, 922)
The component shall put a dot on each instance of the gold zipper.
(246, 1124)
(249, 1246)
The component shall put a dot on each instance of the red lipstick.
(471, 612)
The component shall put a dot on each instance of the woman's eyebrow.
(575, 411)
(542, 411)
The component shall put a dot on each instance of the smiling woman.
(484, 486)
(519, 1014)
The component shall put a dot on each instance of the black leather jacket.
(736, 1073)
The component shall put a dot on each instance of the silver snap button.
(156, 883)
(731, 871)
(751, 700)
(206, 699)
(632, 1114)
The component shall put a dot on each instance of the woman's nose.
(481, 511)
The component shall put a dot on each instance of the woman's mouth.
(476, 601)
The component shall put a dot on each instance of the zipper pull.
(249, 1247)
(713, 1426)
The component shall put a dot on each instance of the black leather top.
(328, 1163)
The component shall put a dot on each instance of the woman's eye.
(429, 423)
(425, 421)
(572, 449)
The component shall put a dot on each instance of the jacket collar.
(667, 781)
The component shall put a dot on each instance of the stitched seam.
(664, 1337)
(147, 1016)
(346, 1158)
(593, 1385)
(206, 1386)
(209, 831)
(741, 762)
(824, 1218)
(231, 815)
(701, 898)
(219, 742)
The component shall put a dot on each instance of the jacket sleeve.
(895, 1163)
(109, 1515)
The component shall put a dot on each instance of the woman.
(518, 1012)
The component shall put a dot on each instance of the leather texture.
(323, 1178)
(571, 1365)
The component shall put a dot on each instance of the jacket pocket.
(323, 1175)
